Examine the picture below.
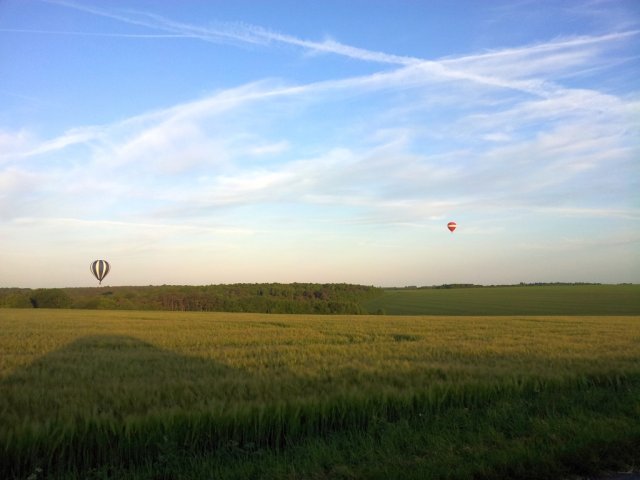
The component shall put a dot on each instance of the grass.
(544, 435)
(530, 300)
(98, 394)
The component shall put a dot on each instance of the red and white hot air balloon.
(452, 226)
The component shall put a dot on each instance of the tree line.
(446, 286)
(314, 298)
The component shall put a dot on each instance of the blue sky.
(247, 141)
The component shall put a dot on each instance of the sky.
(193, 142)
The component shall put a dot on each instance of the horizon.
(212, 144)
(382, 287)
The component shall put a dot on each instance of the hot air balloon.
(452, 226)
(100, 268)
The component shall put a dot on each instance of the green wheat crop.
(80, 389)
(510, 300)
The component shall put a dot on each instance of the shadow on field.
(117, 370)
(112, 399)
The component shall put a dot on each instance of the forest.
(328, 298)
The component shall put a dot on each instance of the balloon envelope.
(100, 268)
(452, 226)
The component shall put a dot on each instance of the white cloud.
(583, 212)
(400, 150)
(25, 144)
(269, 148)
(502, 69)
(386, 176)
(16, 187)
(497, 137)
(12, 143)
(104, 225)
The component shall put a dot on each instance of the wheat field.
(83, 389)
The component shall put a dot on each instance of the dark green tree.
(17, 300)
(50, 298)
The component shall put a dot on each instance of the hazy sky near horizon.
(319, 141)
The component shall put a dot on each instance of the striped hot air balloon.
(452, 226)
(100, 268)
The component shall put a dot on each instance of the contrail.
(95, 34)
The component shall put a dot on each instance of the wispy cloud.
(503, 69)
(490, 135)
(178, 140)
(14, 142)
(93, 34)
(546, 48)
(234, 32)
(107, 224)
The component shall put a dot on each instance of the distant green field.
(531, 300)
(149, 395)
